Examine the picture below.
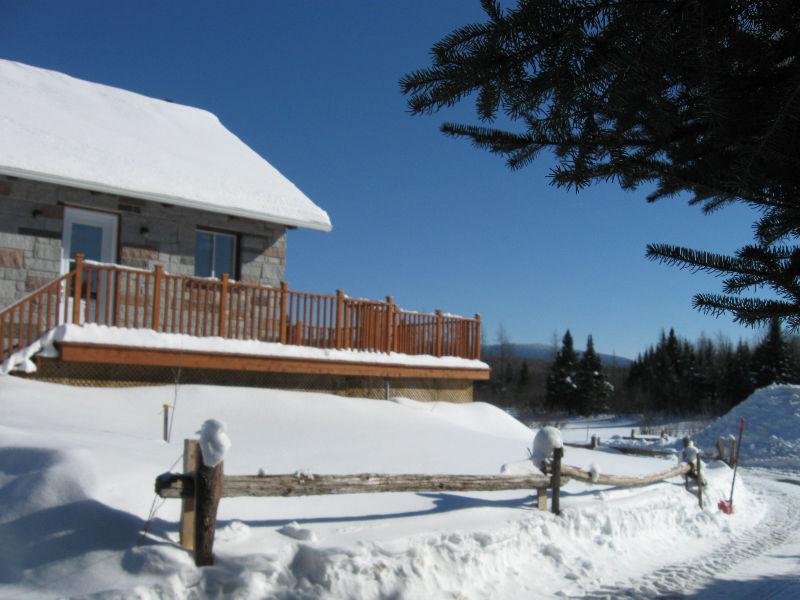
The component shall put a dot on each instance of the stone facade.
(150, 233)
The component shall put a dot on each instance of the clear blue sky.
(313, 87)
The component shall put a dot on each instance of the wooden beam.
(625, 480)
(127, 355)
(363, 483)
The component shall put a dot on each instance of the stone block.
(15, 240)
(34, 282)
(128, 253)
(43, 264)
(49, 249)
(136, 263)
(12, 257)
(13, 274)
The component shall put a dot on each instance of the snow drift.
(772, 431)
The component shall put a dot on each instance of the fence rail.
(201, 487)
(125, 297)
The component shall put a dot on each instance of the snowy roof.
(67, 131)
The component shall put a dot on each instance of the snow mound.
(772, 430)
(475, 416)
(214, 442)
(545, 440)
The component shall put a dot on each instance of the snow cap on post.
(214, 442)
(690, 453)
(545, 440)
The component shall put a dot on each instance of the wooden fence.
(125, 297)
(201, 487)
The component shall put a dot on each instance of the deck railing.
(120, 296)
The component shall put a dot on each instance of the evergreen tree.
(524, 379)
(593, 387)
(699, 98)
(562, 385)
(772, 359)
(736, 382)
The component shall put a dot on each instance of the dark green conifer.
(697, 99)
(562, 385)
(593, 387)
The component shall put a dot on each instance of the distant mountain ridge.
(538, 351)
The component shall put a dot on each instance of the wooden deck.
(132, 298)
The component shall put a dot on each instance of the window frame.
(218, 232)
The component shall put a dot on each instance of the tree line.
(674, 375)
(677, 376)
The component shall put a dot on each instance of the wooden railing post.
(439, 332)
(155, 316)
(476, 352)
(339, 323)
(284, 298)
(76, 289)
(389, 314)
(223, 306)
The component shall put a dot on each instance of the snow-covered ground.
(77, 467)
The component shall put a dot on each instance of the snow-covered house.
(129, 224)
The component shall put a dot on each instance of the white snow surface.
(63, 130)
(214, 442)
(77, 467)
(92, 333)
(772, 428)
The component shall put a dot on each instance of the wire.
(174, 403)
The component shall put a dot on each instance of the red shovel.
(727, 507)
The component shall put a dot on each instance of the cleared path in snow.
(762, 563)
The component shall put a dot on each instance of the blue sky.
(313, 87)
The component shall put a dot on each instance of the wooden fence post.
(541, 498)
(155, 315)
(439, 332)
(732, 461)
(389, 314)
(76, 289)
(208, 491)
(166, 422)
(191, 462)
(558, 454)
(699, 473)
(339, 324)
(284, 299)
(720, 449)
(223, 307)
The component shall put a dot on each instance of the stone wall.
(150, 233)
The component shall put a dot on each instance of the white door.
(92, 233)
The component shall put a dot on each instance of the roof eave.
(163, 198)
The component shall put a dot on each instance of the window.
(214, 254)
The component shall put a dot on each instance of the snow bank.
(772, 431)
(77, 467)
(91, 333)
